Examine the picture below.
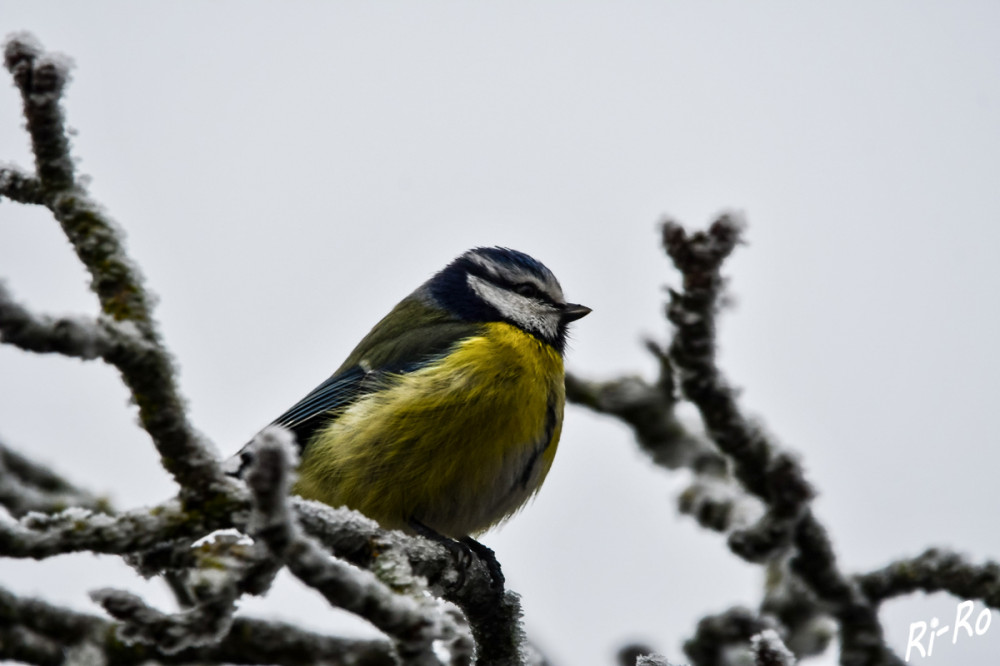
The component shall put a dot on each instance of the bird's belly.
(458, 445)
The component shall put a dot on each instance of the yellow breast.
(459, 444)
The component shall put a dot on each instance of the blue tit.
(445, 418)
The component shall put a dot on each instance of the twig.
(39, 536)
(20, 187)
(495, 622)
(774, 477)
(934, 570)
(412, 625)
(203, 624)
(27, 486)
(718, 634)
(146, 368)
(648, 409)
(769, 650)
(42, 633)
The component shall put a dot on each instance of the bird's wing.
(337, 391)
(409, 337)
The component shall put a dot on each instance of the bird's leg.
(464, 551)
(487, 557)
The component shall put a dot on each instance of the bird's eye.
(527, 289)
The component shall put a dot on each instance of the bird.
(444, 420)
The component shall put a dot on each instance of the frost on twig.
(36, 632)
(26, 486)
(144, 363)
(773, 476)
(495, 622)
(40, 535)
(713, 498)
(935, 570)
(718, 638)
(769, 650)
(204, 624)
(652, 660)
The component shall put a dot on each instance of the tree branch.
(774, 477)
(934, 570)
(74, 530)
(41, 78)
(412, 623)
(146, 369)
(27, 486)
(769, 650)
(42, 632)
(20, 187)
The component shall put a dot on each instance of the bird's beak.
(574, 311)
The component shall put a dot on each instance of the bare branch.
(146, 369)
(652, 660)
(41, 78)
(204, 624)
(27, 486)
(713, 499)
(21, 187)
(649, 411)
(23, 645)
(935, 570)
(39, 633)
(74, 530)
(718, 635)
(79, 337)
(495, 621)
(775, 478)
(769, 650)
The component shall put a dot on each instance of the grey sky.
(287, 171)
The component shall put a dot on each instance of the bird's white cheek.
(527, 313)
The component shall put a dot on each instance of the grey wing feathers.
(313, 411)
(332, 394)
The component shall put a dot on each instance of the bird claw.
(465, 551)
(486, 555)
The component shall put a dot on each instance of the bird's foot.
(488, 558)
(465, 551)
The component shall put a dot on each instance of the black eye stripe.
(527, 289)
(530, 290)
(510, 283)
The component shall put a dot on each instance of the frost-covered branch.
(769, 650)
(773, 476)
(714, 498)
(146, 368)
(78, 337)
(27, 486)
(495, 620)
(40, 535)
(203, 624)
(935, 570)
(413, 621)
(649, 410)
(18, 186)
(36, 632)
(724, 639)
(41, 78)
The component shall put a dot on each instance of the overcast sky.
(287, 171)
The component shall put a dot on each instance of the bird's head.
(499, 284)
